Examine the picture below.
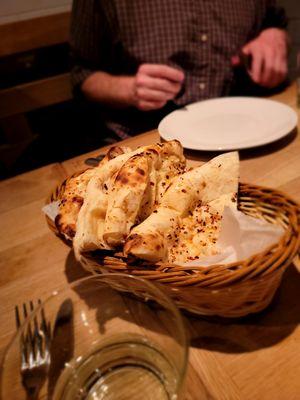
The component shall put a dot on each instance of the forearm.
(114, 91)
(150, 88)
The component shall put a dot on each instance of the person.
(141, 59)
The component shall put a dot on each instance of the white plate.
(229, 123)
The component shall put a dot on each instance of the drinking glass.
(114, 337)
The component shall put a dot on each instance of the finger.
(256, 67)
(279, 72)
(163, 85)
(162, 71)
(247, 49)
(235, 61)
(269, 74)
(150, 105)
(274, 70)
(281, 68)
(153, 95)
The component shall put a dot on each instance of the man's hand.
(269, 57)
(154, 85)
(150, 89)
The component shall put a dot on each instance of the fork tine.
(45, 326)
(24, 339)
(29, 334)
(43, 333)
(29, 338)
(25, 310)
(35, 324)
(35, 354)
(17, 314)
(23, 346)
(37, 335)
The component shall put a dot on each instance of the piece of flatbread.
(123, 193)
(139, 187)
(74, 192)
(197, 234)
(191, 199)
(126, 197)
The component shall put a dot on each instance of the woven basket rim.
(215, 276)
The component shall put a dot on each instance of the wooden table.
(254, 358)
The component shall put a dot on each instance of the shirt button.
(203, 37)
(202, 85)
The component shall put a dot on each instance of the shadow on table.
(253, 332)
(246, 153)
(155, 317)
(73, 269)
(62, 344)
(226, 335)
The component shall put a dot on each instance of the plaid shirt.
(197, 36)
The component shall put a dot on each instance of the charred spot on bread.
(132, 241)
(122, 178)
(151, 150)
(78, 200)
(69, 231)
(57, 221)
(141, 171)
(114, 151)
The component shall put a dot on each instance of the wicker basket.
(231, 290)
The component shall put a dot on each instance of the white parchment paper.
(51, 210)
(241, 236)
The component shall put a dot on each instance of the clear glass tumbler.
(106, 343)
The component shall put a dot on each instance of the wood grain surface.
(34, 95)
(34, 33)
(256, 357)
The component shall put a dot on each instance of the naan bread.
(72, 198)
(125, 198)
(71, 203)
(139, 187)
(123, 193)
(196, 234)
(192, 199)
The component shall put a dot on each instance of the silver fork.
(35, 350)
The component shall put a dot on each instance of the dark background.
(67, 128)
